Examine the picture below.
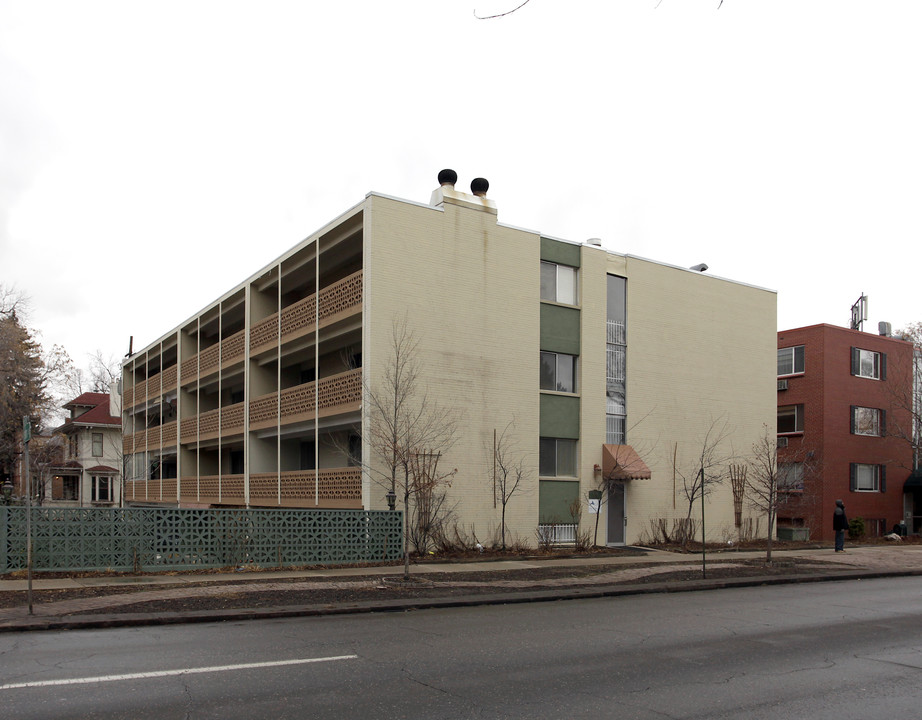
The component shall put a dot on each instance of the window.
(791, 360)
(69, 488)
(102, 488)
(72, 445)
(868, 478)
(355, 451)
(557, 458)
(790, 477)
(869, 364)
(558, 372)
(868, 421)
(97, 444)
(791, 419)
(558, 283)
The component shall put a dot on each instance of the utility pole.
(26, 437)
(704, 569)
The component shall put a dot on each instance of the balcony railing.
(227, 420)
(152, 438)
(335, 394)
(153, 387)
(332, 488)
(297, 320)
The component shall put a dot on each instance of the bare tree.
(407, 429)
(905, 388)
(762, 481)
(510, 472)
(709, 470)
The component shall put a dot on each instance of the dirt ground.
(360, 588)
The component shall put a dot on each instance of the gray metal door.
(616, 514)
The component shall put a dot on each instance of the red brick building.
(839, 421)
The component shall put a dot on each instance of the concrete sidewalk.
(859, 562)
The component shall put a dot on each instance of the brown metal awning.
(621, 462)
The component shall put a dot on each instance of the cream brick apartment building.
(576, 351)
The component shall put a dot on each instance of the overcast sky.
(154, 155)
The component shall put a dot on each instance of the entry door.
(615, 514)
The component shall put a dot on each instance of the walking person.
(840, 525)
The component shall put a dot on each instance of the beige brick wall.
(469, 291)
(701, 351)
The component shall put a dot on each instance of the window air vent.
(782, 384)
(782, 442)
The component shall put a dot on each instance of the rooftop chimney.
(448, 178)
(446, 194)
(479, 187)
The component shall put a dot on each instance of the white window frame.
(792, 356)
(98, 443)
(558, 360)
(561, 274)
(97, 482)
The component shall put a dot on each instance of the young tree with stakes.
(408, 433)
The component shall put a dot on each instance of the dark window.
(791, 419)
(558, 372)
(236, 462)
(557, 458)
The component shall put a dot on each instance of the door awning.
(914, 481)
(621, 462)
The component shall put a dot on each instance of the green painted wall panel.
(560, 252)
(559, 416)
(560, 329)
(554, 500)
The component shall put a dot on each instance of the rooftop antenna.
(859, 312)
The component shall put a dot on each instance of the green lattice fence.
(128, 539)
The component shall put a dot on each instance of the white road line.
(169, 673)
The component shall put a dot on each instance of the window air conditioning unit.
(782, 442)
(782, 384)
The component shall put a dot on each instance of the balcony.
(330, 488)
(339, 300)
(153, 438)
(153, 387)
(337, 394)
(213, 424)
(222, 355)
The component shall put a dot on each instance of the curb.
(115, 620)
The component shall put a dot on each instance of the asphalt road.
(829, 650)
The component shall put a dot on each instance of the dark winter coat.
(839, 521)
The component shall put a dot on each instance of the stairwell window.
(557, 458)
(558, 372)
(558, 283)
